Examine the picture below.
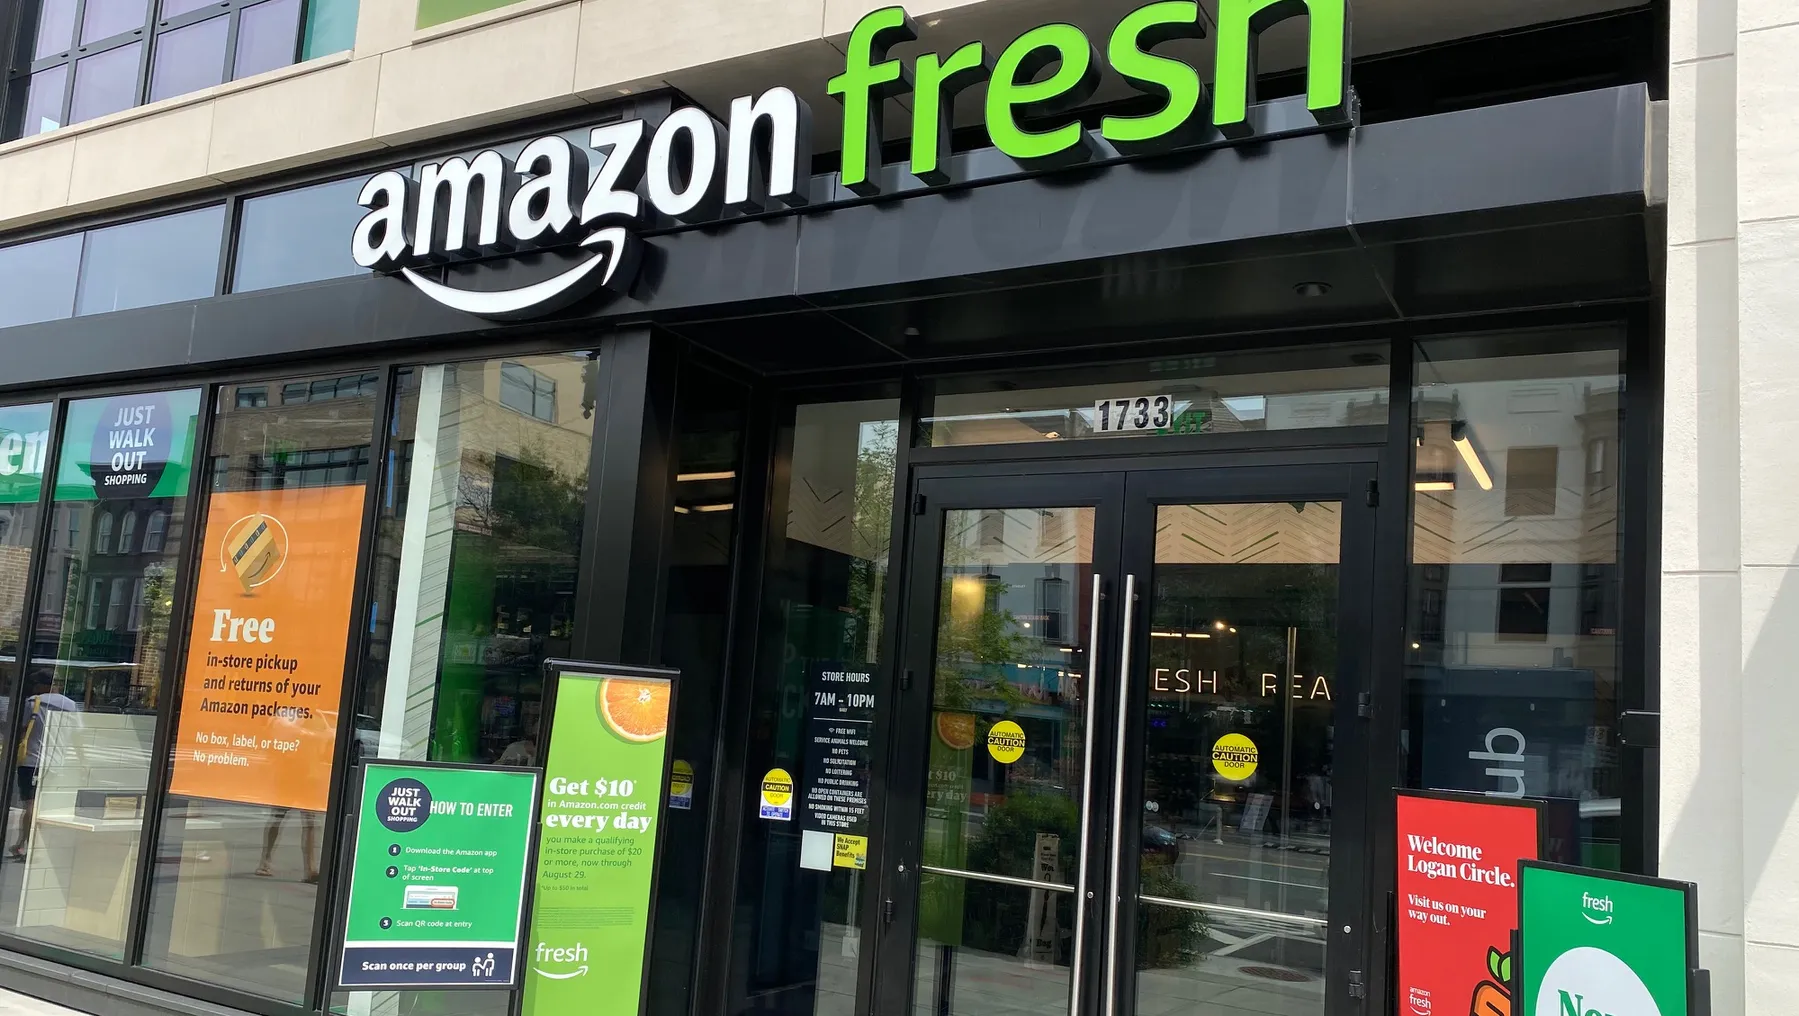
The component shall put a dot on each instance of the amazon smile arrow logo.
(690, 170)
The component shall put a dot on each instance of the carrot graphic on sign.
(1490, 997)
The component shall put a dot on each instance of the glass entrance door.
(1129, 701)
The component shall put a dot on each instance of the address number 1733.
(1145, 412)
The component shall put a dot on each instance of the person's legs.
(309, 843)
(270, 834)
(27, 784)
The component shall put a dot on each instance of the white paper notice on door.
(815, 849)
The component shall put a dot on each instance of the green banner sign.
(1594, 943)
(603, 806)
(24, 445)
(128, 446)
(437, 876)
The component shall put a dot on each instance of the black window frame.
(22, 68)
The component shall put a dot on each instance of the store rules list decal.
(1458, 901)
(840, 710)
(265, 658)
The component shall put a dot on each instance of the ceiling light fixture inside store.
(1434, 485)
(713, 507)
(728, 474)
(1464, 443)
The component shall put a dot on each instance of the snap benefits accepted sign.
(1597, 944)
(437, 876)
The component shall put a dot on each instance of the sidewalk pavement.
(14, 1004)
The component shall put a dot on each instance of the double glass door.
(1128, 780)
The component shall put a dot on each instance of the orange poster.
(265, 659)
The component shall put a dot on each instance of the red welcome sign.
(1458, 900)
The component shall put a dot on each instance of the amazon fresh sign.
(691, 168)
(1595, 943)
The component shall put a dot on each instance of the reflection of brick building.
(495, 580)
(104, 606)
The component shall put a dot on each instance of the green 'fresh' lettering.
(1240, 25)
(1012, 91)
(869, 78)
(1129, 54)
(933, 96)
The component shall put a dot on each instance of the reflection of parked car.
(1160, 845)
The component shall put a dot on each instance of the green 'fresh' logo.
(1013, 88)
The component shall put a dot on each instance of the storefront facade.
(1138, 466)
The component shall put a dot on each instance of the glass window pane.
(1515, 588)
(160, 260)
(176, 8)
(478, 605)
(37, 280)
(247, 790)
(824, 598)
(43, 101)
(267, 37)
(330, 27)
(710, 417)
(463, 619)
(1264, 389)
(55, 28)
(298, 236)
(105, 83)
(107, 18)
(189, 59)
(24, 444)
(94, 684)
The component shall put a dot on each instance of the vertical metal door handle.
(1114, 891)
(1089, 691)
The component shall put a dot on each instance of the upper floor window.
(531, 392)
(88, 58)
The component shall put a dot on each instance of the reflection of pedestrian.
(38, 707)
(309, 842)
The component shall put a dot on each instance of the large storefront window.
(236, 884)
(1513, 682)
(96, 671)
(696, 630)
(823, 600)
(477, 545)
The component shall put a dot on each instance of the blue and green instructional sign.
(1593, 943)
(437, 876)
(604, 799)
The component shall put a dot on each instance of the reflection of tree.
(974, 646)
(1167, 936)
(997, 916)
(871, 529)
(525, 501)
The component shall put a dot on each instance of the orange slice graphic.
(956, 730)
(635, 710)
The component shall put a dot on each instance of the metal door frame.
(1126, 491)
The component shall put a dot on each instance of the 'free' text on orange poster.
(265, 658)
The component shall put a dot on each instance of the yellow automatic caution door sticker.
(1235, 757)
(1005, 742)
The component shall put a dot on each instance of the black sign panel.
(840, 710)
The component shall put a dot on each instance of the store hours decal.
(840, 712)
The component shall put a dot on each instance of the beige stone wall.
(1730, 585)
(401, 85)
